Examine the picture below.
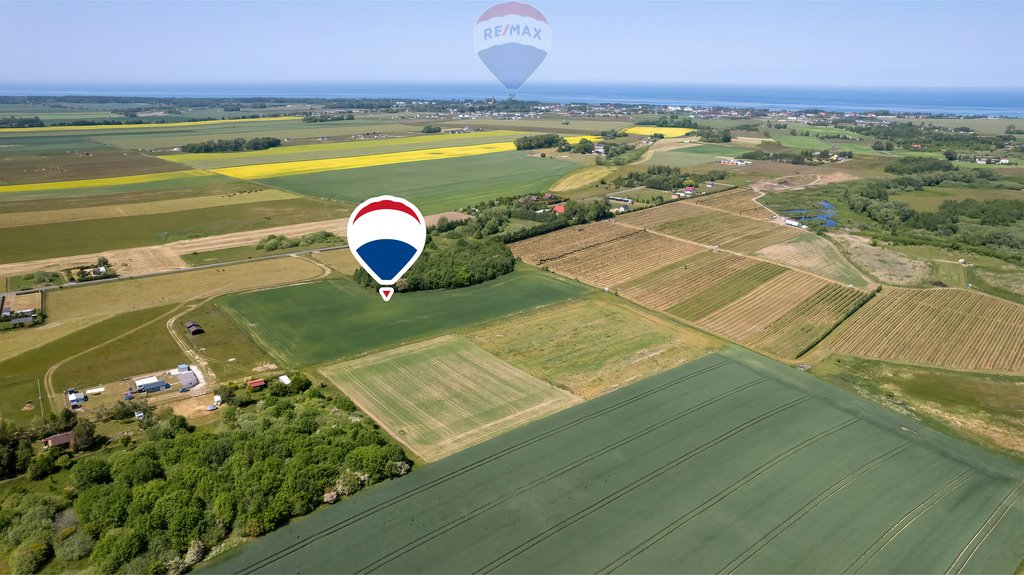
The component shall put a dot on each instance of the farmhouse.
(59, 440)
(559, 209)
(257, 384)
(599, 149)
(150, 384)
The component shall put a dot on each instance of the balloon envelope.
(386, 235)
(512, 39)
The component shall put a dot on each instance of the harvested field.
(138, 261)
(816, 255)
(785, 316)
(581, 178)
(953, 328)
(237, 239)
(544, 248)
(339, 260)
(613, 263)
(443, 395)
(710, 227)
(670, 286)
(596, 345)
(731, 463)
(740, 201)
(142, 126)
(23, 301)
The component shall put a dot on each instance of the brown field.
(136, 261)
(785, 315)
(443, 395)
(22, 301)
(339, 260)
(142, 208)
(886, 265)
(953, 328)
(710, 226)
(541, 249)
(62, 166)
(72, 309)
(613, 263)
(816, 255)
(740, 201)
(674, 284)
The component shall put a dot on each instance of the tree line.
(233, 145)
(667, 178)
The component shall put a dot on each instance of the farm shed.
(285, 380)
(150, 384)
(194, 328)
(59, 440)
(183, 368)
(257, 384)
(188, 379)
(76, 398)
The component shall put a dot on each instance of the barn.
(150, 384)
(257, 384)
(193, 328)
(59, 440)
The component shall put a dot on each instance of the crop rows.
(621, 260)
(761, 239)
(739, 201)
(544, 248)
(672, 285)
(951, 328)
(710, 227)
(719, 295)
(786, 315)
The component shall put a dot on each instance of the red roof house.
(257, 384)
(559, 209)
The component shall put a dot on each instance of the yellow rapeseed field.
(651, 130)
(259, 171)
(97, 182)
(348, 145)
(150, 126)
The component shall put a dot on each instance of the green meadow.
(436, 185)
(320, 321)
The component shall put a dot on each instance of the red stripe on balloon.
(385, 205)
(514, 9)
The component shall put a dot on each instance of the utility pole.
(39, 389)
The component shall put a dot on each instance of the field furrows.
(710, 227)
(761, 306)
(761, 239)
(739, 201)
(541, 249)
(684, 279)
(791, 334)
(653, 217)
(952, 328)
(724, 293)
(623, 259)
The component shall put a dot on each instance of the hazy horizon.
(734, 43)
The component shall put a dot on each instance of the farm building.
(76, 398)
(150, 384)
(59, 440)
(26, 304)
(257, 384)
(559, 209)
(5, 313)
(194, 328)
(23, 321)
(182, 368)
(188, 379)
(285, 380)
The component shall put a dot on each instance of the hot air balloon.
(386, 235)
(512, 39)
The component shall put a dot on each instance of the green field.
(442, 395)
(710, 149)
(41, 241)
(18, 375)
(929, 199)
(230, 352)
(729, 463)
(438, 185)
(801, 142)
(316, 322)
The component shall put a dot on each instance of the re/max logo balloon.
(512, 30)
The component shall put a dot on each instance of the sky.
(964, 44)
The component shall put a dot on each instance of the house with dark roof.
(59, 440)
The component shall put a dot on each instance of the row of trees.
(537, 141)
(671, 121)
(233, 145)
(282, 242)
(906, 134)
(159, 505)
(21, 122)
(796, 157)
(667, 178)
(450, 264)
(315, 118)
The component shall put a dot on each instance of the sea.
(993, 102)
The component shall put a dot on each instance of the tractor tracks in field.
(384, 505)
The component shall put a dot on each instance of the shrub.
(76, 546)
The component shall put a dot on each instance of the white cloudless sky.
(826, 43)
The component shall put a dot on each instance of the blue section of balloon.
(512, 63)
(386, 257)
